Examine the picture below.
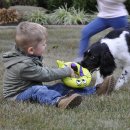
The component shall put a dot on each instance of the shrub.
(23, 2)
(87, 5)
(8, 3)
(8, 16)
(66, 16)
(127, 3)
(54, 4)
(38, 17)
(61, 16)
(42, 3)
(4, 3)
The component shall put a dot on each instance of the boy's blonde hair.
(29, 34)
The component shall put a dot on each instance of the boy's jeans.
(50, 94)
(96, 26)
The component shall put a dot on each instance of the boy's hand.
(72, 71)
(62, 64)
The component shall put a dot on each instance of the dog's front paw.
(116, 88)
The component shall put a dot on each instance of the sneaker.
(106, 87)
(69, 101)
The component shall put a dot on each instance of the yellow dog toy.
(84, 76)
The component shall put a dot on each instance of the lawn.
(95, 113)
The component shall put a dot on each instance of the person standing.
(112, 13)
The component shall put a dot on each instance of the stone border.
(47, 26)
(7, 27)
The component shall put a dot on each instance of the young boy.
(25, 73)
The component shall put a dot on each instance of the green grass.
(95, 113)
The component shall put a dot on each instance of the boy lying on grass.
(25, 72)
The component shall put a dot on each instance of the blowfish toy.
(83, 79)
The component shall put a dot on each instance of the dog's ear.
(85, 53)
(107, 63)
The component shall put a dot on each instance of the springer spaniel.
(107, 54)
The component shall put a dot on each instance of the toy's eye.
(78, 82)
(84, 81)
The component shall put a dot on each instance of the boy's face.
(40, 49)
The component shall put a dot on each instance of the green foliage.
(8, 3)
(127, 3)
(61, 16)
(23, 2)
(87, 5)
(54, 4)
(38, 17)
(4, 3)
(42, 3)
(68, 16)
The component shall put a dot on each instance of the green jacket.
(22, 72)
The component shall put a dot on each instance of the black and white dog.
(107, 54)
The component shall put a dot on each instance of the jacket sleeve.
(33, 72)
